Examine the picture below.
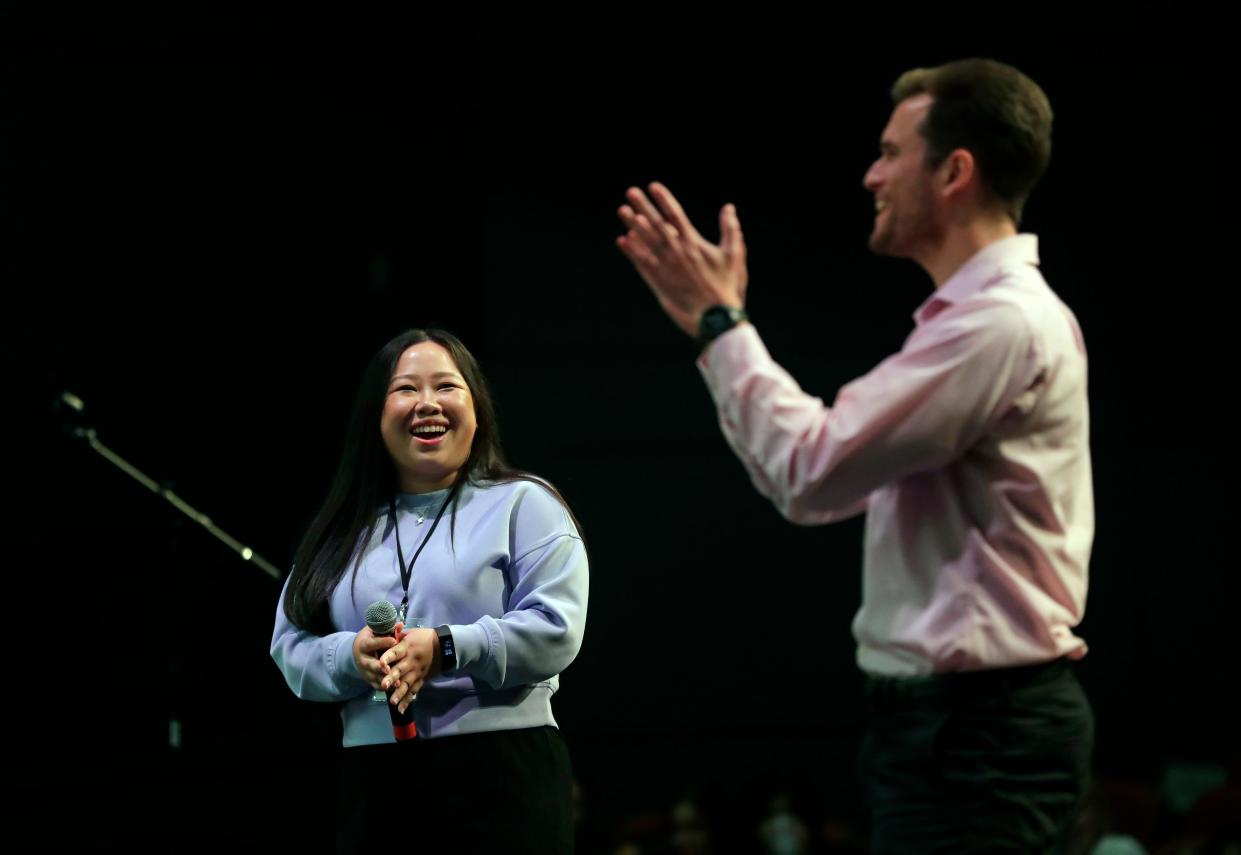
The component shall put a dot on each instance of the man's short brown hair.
(995, 112)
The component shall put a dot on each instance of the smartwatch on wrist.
(716, 321)
(448, 651)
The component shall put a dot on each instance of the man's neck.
(961, 243)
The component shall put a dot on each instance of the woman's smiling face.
(428, 419)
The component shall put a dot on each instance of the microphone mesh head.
(381, 617)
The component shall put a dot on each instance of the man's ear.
(956, 171)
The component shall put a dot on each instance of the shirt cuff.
(340, 661)
(729, 356)
(472, 643)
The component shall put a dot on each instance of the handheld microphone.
(381, 618)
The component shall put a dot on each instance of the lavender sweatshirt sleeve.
(316, 667)
(541, 631)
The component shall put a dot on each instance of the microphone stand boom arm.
(246, 553)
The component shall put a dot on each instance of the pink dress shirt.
(969, 452)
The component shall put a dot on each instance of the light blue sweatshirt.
(512, 586)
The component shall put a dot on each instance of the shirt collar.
(973, 275)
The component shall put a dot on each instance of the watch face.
(447, 648)
(716, 320)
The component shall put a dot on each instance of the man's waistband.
(961, 685)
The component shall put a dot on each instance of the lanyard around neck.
(407, 571)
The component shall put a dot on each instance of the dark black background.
(211, 219)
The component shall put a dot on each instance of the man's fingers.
(730, 230)
(657, 234)
(643, 206)
(645, 263)
(638, 252)
(672, 210)
(692, 249)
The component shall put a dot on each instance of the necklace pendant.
(400, 612)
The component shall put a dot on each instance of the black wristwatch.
(718, 320)
(448, 650)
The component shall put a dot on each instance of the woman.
(495, 607)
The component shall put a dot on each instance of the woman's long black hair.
(366, 479)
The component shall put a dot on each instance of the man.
(968, 451)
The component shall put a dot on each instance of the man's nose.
(871, 179)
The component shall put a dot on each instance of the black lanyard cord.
(407, 571)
